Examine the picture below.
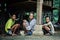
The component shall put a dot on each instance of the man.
(10, 28)
(48, 28)
(29, 26)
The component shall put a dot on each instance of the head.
(13, 16)
(31, 16)
(24, 20)
(47, 19)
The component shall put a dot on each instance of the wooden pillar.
(39, 11)
(38, 28)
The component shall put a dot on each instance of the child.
(25, 24)
(48, 27)
(9, 24)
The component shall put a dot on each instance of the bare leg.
(46, 28)
(25, 31)
(15, 27)
(24, 26)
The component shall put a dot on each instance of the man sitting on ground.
(48, 27)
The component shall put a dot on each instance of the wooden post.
(39, 11)
(38, 28)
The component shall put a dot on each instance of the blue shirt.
(31, 25)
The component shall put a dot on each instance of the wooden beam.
(29, 0)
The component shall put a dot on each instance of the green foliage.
(55, 15)
(56, 3)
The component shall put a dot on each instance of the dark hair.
(31, 12)
(12, 14)
(47, 16)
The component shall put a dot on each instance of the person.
(29, 26)
(10, 26)
(25, 24)
(48, 28)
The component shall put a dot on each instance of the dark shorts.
(9, 32)
(29, 32)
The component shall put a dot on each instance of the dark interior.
(18, 7)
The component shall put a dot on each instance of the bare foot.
(14, 34)
(47, 34)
